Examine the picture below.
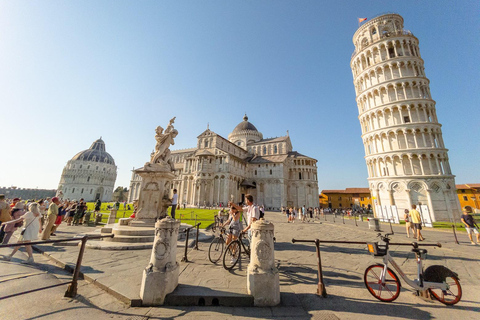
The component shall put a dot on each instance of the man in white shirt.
(174, 203)
(253, 214)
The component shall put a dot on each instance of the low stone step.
(128, 231)
(202, 296)
(123, 238)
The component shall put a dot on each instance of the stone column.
(262, 275)
(160, 277)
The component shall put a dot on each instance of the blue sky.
(72, 71)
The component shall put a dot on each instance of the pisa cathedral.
(219, 169)
(406, 158)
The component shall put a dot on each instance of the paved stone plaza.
(120, 273)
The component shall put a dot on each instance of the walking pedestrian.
(408, 224)
(470, 224)
(30, 233)
(51, 218)
(417, 222)
(10, 228)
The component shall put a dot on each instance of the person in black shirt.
(470, 224)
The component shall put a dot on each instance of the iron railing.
(72, 288)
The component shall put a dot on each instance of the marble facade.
(218, 169)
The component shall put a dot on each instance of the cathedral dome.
(244, 125)
(95, 153)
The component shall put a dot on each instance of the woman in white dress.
(32, 229)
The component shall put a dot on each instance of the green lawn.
(205, 216)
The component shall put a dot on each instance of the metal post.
(324, 215)
(455, 234)
(343, 217)
(187, 231)
(321, 286)
(72, 288)
(391, 229)
(196, 238)
(355, 217)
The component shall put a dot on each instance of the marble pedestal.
(160, 277)
(262, 275)
(154, 195)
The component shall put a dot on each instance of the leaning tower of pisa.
(404, 151)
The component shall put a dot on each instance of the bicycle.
(218, 222)
(215, 251)
(383, 283)
(234, 250)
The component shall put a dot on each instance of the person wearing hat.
(470, 224)
(14, 202)
(50, 219)
(10, 228)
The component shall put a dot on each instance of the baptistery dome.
(90, 175)
(96, 153)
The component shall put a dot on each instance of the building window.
(463, 190)
(91, 190)
(270, 171)
(97, 168)
(406, 119)
(465, 198)
(264, 150)
(255, 172)
(339, 198)
(73, 178)
(73, 190)
(88, 179)
(82, 191)
(275, 149)
(300, 176)
(81, 166)
(361, 199)
(206, 143)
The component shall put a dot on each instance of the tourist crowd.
(39, 219)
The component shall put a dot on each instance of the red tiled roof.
(468, 186)
(348, 190)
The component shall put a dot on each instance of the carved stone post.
(112, 216)
(262, 275)
(160, 277)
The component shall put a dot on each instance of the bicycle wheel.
(215, 250)
(232, 254)
(388, 291)
(452, 295)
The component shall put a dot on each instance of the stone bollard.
(160, 277)
(262, 275)
(112, 216)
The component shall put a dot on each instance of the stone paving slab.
(343, 267)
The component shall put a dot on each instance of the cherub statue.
(164, 140)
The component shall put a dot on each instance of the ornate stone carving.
(164, 140)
